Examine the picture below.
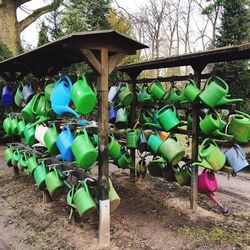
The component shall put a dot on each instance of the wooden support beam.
(114, 61)
(93, 62)
(46, 197)
(15, 171)
(103, 133)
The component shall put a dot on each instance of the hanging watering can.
(175, 96)
(54, 182)
(239, 127)
(15, 157)
(146, 116)
(156, 166)
(207, 182)
(167, 117)
(172, 151)
(142, 143)
(7, 124)
(28, 92)
(64, 143)
(215, 89)
(7, 96)
(121, 118)
(154, 142)
(113, 197)
(19, 96)
(191, 91)
(112, 114)
(143, 95)
(210, 123)
(14, 123)
(7, 156)
(236, 158)
(39, 104)
(32, 164)
(21, 127)
(156, 90)
(48, 89)
(40, 174)
(60, 97)
(125, 161)
(40, 131)
(183, 175)
(84, 151)
(113, 91)
(83, 96)
(50, 138)
(125, 95)
(29, 135)
(27, 113)
(114, 148)
(23, 160)
(132, 138)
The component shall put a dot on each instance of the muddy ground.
(154, 214)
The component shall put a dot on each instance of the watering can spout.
(40, 120)
(225, 100)
(223, 135)
(155, 125)
(203, 164)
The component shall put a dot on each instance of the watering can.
(207, 182)
(142, 143)
(84, 151)
(29, 134)
(191, 91)
(7, 96)
(113, 197)
(50, 138)
(40, 131)
(32, 164)
(212, 157)
(146, 116)
(114, 148)
(38, 107)
(143, 95)
(125, 161)
(27, 113)
(125, 95)
(183, 174)
(21, 127)
(175, 95)
(14, 123)
(210, 123)
(64, 143)
(132, 138)
(28, 92)
(112, 114)
(167, 117)
(7, 156)
(19, 96)
(113, 91)
(48, 89)
(156, 166)
(215, 89)
(60, 97)
(23, 160)
(40, 174)
(172, 151)
(54, 182)
(7, 124)
(121, 118)
(154, 142)
(15, 157)
(236, 158)
(239, 126)
(83, 96)
(156, 90)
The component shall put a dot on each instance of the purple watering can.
(7, 96)
(112, 114)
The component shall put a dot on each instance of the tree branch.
(37, 13)
(20, 2)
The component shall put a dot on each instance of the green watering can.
(39, 104)
(21, 127)
(156, 90)
(132, 138)
(125, 95)
(7, 125)
(32, 164)
(121, 118)
(143, 95)
(29, 134)
(146, 116)
(48, 89)
(22, 163)
(212, 157)
(172, 151)
(239, 126)
(154, 142)
(14, 123)
(40, 174)
(7, 156)
(54, 182)
(125, 161)
(84, 151)
(191, 91)
(156, 166)
(83, 96)
(183, 174)
(50, 138)
(27, 113)
(210, 123)
(19, 101)
(215, 89)
(114, 148)
(15, 157)
(175, 96)
(113, 197)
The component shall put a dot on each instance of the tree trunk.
(9, 27)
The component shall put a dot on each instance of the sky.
(30, 34)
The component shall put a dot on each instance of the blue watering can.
(112, 114)
(236, 158)
(7, 96)
(64, 144)
(60, 97)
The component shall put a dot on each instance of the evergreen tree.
(43, 35)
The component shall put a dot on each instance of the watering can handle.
(240, 150)
(222, 81)
(67, 79)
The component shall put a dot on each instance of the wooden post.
(195, 140)
(103, 132)
(15, 171)
(46, 197)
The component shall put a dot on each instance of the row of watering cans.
(50, 177)
(215, 93)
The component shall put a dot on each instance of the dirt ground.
(153, 214)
